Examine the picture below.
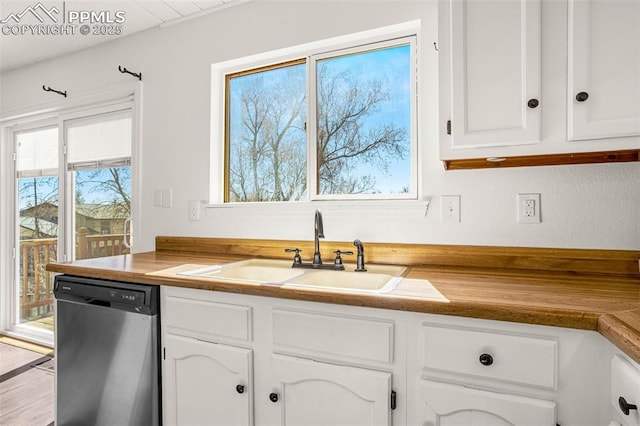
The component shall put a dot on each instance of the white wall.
(591, 206)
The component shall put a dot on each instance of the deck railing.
(36, 284)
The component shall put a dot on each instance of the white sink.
(362, 282)
(377, 279)
(252, 270)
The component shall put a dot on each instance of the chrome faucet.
(318, 229)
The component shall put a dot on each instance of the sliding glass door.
(73, 201)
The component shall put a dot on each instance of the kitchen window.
(338, 123)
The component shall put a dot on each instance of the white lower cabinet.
(245, 360)
(233, 359)
(207, 383)
(317, 393)
(625, 391)
(452, 405)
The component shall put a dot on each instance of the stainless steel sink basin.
(377, 279)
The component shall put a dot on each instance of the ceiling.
(19, 47)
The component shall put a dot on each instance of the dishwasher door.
(106, 353)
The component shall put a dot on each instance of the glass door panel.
(102, 205)
(37, 191)
(99, 162)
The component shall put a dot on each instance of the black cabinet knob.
(240, 389)
(625, 406)
(533, 103)
(582, 96)
(273, 397)
(486, 359)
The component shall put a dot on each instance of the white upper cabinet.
(494, 70)
(524, 78)
(604, 69)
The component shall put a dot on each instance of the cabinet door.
(451, 405)
(314, 393)
(491, 66)
(604, 64)
(207, 383)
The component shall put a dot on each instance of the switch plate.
(450, 208)
(529, 210)
(167, 198)
(157, 197)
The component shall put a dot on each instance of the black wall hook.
(124, 70)
(49, 89)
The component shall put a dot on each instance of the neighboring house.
(30, 230)
(101, 218)
(97, 218)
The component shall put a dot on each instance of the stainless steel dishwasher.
(107, 353)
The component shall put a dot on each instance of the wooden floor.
(26, 387)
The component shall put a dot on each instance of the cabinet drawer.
(310, 334)
(198, 317)
(523, 359)
(625, 390)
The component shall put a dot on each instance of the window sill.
(326, 206)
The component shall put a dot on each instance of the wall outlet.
(529, 208)
(194, 209)
(450, 208)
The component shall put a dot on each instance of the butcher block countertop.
(575, 288)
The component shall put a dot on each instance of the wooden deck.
(26, 387)
(46, 323)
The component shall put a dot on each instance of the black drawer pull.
(486, 359)
(240, 389)
(273, 397)
(625, 406)
(533, 103)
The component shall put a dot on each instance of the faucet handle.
(339, 254)
(297, 260)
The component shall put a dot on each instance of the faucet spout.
(318, 229)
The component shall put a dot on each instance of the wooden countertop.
(608, 303)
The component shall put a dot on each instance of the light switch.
(167, 198)
(450, 208)
(157, 197)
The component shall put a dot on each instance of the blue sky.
(392, 66)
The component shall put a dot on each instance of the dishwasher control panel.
(126, 296)
(131, 297)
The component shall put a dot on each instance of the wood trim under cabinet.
(579, 261)
(622, 156)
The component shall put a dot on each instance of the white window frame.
(104, 101)
(357, 42)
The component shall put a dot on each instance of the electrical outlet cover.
(529, 208)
